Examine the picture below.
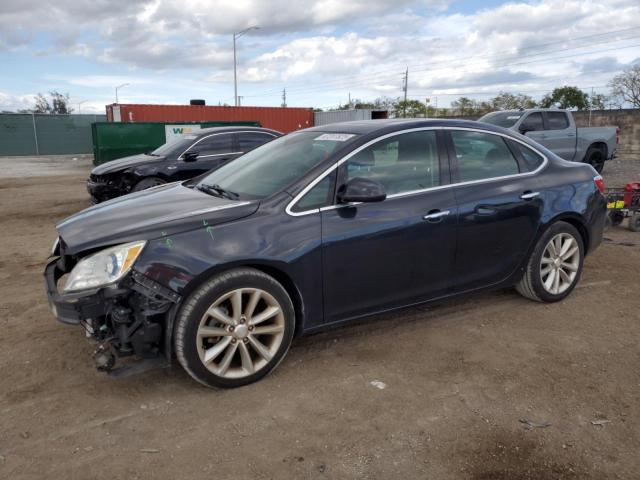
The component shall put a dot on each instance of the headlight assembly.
(104, 267)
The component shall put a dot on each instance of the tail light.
(599, 183)
(617, 135)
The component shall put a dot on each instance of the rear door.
(499, 205)
(560, 136)
(401, 250)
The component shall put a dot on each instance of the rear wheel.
(555, 265)
(234, 329)
(596, 157)
(634, 222)
(147, 183)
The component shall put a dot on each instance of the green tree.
(626, 86)
(463, 106)
(597, 101)
(509, 101)
(409, 109)
(566, 97)
(59, 103)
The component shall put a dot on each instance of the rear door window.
(530, 159)
(557, 120)
(250, 140)
(482, 155)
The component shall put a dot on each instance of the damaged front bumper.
(133, 318)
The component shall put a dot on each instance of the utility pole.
(349, 100)
(590, 105)
(405, 88)
(80, 105)
(235, 64)
(118, 88)
(239, 100)
(284, 98)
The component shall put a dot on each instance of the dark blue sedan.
(317, 228)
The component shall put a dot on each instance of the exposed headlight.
(104, 267)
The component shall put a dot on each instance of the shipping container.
(337, 116)
(116, 140)
(282, 119)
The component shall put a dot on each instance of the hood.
(163, 210)
(123, 163)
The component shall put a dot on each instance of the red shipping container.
(283, 119)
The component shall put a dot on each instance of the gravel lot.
(438, 392)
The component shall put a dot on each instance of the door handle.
(571, 134)
(435, 216)
(529, 195)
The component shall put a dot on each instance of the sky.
(321, 51)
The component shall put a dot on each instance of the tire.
(535, 283)
(634, 222)
(616, 217)
(213, 338)
(147, 183)
(596, 157)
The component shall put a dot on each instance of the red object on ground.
(632, 195)
(283, 119)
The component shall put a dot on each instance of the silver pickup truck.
(556, 130)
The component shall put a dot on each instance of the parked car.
(556, 130)
(318, 228)
(188, 157)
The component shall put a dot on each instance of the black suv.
(188, 157)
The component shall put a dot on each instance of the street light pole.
(237, 35)
(118, 88)
(80, 105)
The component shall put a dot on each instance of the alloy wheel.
(240, 333)
(559, 263)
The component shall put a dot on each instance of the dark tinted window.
(213, 145)
(502, 119)
(320, 195)
(401, 163)
(531, 159)
(533, 122)
(557, 120)
(274, 165)
(482, 155)
(250, 140)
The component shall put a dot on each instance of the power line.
(489, 57)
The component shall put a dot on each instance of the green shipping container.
(116, 140)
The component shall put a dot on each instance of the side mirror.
(190, 156)
(361, 190)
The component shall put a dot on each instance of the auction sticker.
(335, 137)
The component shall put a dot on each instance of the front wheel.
(234, 329)
(147, 183)
(555, 265)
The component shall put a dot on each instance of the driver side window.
(213, 145)
(533, 123)
(401, 163)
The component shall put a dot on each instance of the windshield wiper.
(217, 190)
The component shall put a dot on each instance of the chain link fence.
(40, 134)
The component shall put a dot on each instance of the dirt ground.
(438, 392)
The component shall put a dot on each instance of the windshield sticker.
(513, 117)
(335, 137)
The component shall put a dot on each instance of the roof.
(369, 126)
(235, 128)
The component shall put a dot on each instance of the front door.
(499, 206)
(385, 254)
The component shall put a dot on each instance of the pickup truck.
(556, 130)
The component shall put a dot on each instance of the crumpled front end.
(125, 319)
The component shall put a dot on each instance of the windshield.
(176, 146)
(502, 119)
(274, 165)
